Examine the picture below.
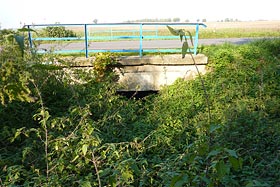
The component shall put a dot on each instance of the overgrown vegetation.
(70, 128)
(58, 32)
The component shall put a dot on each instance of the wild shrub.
(58, 32)
(77, 131)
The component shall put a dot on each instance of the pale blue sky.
(14, 12)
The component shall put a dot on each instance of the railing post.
(141, 40)
(29, 37)
(157, 31)
(111, 33)
(196, 39)
(86, 41)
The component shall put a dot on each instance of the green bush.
(78, 131)
(58, 32)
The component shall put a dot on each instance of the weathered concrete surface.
(175, 59)
(153, 72)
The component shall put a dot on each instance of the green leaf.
(185, 48)
(179, 181)
(173, 31)
(231, 152)
(249, 184)
(20, 42)
(135, 169)
(25, 152)
(19, 131)
(181, 37)
(222, 169)
(240, 162)
(182, 34)
(127, 175)
(76, 157)
(9, 37)
(105, 172)
(112, 181)
(84, 149)
(213, 153)
(234, 162)
(214, 127)
(206, 180)
(26, 30)
(85, 184)
(190, 35)
(256, 183)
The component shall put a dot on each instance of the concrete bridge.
(151, 72)
(139, 73)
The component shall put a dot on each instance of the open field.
(222, 29)
(241, 29)
(273, 25)
(213, 30)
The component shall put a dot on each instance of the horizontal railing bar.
(58, 39)
(109, 31)
(106, 38)
(165, 50)
(112, 37)
(83, 38)
(114, 50)
(162, 37)
(120, 24)
(90, 50)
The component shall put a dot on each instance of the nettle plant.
(218, 161)
(186, 49)
(183, 34)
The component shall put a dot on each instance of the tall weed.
(82, 133)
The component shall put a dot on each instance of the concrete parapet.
(175, 59)
(152, 72)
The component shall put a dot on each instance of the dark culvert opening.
(136, 94)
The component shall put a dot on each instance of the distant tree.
(176, 19)
(204, 20)
(198, 20)
(152, 20)
(187, 20)
(95, 21)
(227, 20)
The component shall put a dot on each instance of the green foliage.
(79, 132)
(182, 34)
(13, 65)
(104, 66)
(58, 31)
